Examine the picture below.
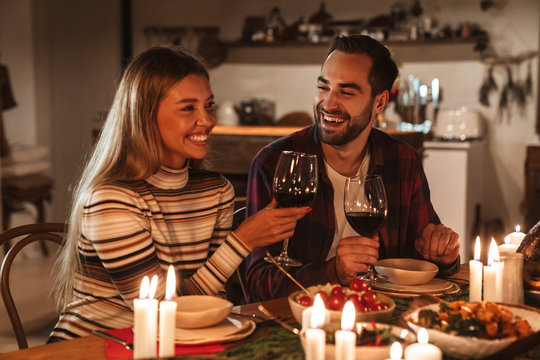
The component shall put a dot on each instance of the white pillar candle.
(422, 349)
(315, 337)
(493, 275)
(475, 274)
(145, 320)
(507, 247)
(167, 317)
(512, 277)
(346, 338)
(516, 237)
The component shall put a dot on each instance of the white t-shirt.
(343, 229)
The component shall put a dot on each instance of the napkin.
(114, 350)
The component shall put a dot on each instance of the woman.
(139, 207)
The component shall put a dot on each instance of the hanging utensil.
(286, 273)
(277, 320)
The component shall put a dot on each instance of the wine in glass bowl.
(365, 208)
(295, 184)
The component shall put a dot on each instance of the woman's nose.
(207, 119)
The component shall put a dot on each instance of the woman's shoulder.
(201, 178)
(127, 193)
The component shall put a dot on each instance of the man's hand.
(438, 243)
(353, 255)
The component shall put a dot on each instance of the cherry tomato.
(359, 285)
(305, 301)
(336, 290)
(324, 296)
(368, 298)
(353, 297)
(336, 302)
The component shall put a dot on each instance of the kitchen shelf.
(455, 49)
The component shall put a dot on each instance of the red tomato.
(305, 301)
(324, 296)
(353, 297)
(336, 302)
(336, 290)
(384, 306)
(368, 298)
(359, 285)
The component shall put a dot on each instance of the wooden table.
(93, 348)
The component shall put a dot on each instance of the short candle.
(167, 317)
(475, 274)
(422, 349)
(516, 237)
(145, 320)
(315, 337)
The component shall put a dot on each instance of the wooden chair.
(28, 234)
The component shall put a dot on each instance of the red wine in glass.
(295, 184)
(365, 208)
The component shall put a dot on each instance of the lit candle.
(493, 275)
(315, 336)
(396, 351)
(167, 317)
(507, 247)
(516, 237)
(512, 275)
(422, 349)
(346, 338)
(145, 320)
(475, 274)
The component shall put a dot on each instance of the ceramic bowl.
(200, 311)
(407, 271)
(334, 321)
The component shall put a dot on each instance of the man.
(353, 87)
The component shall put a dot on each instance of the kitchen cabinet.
(455, 174)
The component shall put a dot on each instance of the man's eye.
(347, 93)
(323, 88)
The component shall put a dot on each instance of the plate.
(434, 286)
(473, 347)
(228, 330)
(454, 289)
(369, 351)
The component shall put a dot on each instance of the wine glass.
(366, 208)
(295, 184)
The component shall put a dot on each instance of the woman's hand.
(270, 225)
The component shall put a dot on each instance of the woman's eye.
(187, 108)
(210, 105)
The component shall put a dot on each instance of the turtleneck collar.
(168, 179)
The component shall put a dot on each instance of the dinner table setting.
(481, 312)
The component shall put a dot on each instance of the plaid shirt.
(409, 211)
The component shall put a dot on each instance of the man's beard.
(355, 126)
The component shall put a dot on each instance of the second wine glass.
(295, 184)
(365, 208)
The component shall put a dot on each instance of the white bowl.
(407, 271)
(335, 315)
(200, 311)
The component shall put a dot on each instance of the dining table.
(93, 347)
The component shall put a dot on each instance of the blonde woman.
(139, 206)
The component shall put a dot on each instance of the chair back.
(27, 234)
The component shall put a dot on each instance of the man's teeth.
(332, 119)
(198, 137)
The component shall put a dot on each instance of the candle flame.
(170, 290)
(396, 351)
(153, 287)
(507, 240)
(145, 284)
(317, 313)
(404, 333)
(423, 337)
(477, 249)
(348, 316)
(518, 228)
(493, 255)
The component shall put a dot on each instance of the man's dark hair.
(383, 72)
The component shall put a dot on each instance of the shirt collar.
(168, 179)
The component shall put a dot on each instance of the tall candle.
(346, 338)
(145, 320)
(516, 237)
(512, 276)
(475, 274)
(493, 273)
(315, 336)
(167, 317)
(396, 351)
(422, 349)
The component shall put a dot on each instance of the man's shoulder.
(295, 141)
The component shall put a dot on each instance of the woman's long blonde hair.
(129, 146)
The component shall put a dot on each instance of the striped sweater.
(129, 230)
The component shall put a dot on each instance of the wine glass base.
(284, 261)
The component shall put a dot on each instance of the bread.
(530, 245)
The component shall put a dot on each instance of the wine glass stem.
(284, 249)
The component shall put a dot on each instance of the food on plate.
(369, 334)
(335, 296)
(486, 320)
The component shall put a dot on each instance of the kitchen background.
(64, 59)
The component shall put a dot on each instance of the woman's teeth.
(198, 137)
